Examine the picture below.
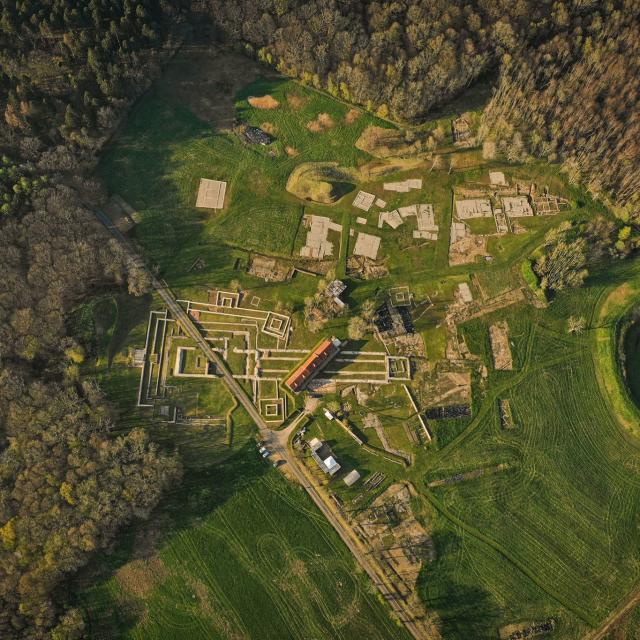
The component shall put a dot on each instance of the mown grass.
(567, 512)
(605, 319)
(475, 590)
(239, 552)
(165, 149)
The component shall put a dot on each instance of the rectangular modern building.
(317, 360)
(322, 454)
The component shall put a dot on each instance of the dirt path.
(616, 616)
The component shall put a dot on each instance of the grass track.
(243, 552)
(567, 518)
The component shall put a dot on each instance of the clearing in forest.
(507, 546)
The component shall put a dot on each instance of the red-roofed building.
(316, 361)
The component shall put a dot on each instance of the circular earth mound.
(321, 182)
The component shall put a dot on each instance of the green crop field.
(565, 514)
(239, 551)
(476, 590)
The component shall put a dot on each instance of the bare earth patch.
(452, 387)
(291, 152)
(499, 338)
(322, 122)
(299, 568)
(351, 116)
(326, 120)
(225, 620)
(139, 577)
(381, 142)
(269, 128)
(263, 102)
(400, 542)
(466, 250)
(296, 101)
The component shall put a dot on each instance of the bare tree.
(576, 324)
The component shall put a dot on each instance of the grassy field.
(165, 148)
(613, 306)
(566, 513)
(476, 590)
(628, 628)
(236, 550)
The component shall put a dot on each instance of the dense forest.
(399, 57)
(575, 99)
(567, 89)
(67, 71)
(67, 68)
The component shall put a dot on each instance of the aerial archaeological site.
(319, 319)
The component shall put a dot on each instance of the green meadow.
(564, 513)
(236, 550)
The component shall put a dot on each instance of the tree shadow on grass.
(465, 609)
(205, 490)
(200, 494)
(131, 312)
(143, 165)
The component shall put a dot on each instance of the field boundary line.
(303, 208)
(630, 601)
(577, 611)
